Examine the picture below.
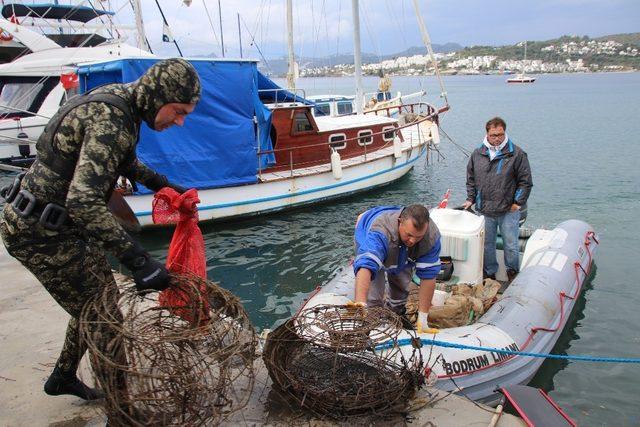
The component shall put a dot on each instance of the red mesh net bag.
(186, 251)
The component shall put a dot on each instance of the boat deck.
(326, 167)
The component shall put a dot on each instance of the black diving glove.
(149, 274)
(179, 188)
(158, 182)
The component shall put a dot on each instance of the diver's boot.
(58, 384)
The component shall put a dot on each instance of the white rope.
(213, 29)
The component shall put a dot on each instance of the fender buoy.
(336, 165)
(397, 148)
(435, 134)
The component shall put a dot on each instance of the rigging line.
(464, 150)
(301, 44)
(427, 42)
(314, 33)
(102, 22)
(253, 42)
(18, 141)
(460, 389)
(371, 37)
(394, 17)
(95, 32)
(164, 19)
(9, 107)
(259, 16)
(265, 28)
(213, 30)
(333, 81)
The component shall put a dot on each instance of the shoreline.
(443, 74)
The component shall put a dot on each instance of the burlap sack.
(456, 309)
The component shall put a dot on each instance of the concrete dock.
(31, 336)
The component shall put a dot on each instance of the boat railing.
(432, 116)
(414, 108)
(297, 93)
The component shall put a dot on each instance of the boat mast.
(357, 60)
(239, 36)
(220, 21)
(524, 63)
(291, 78)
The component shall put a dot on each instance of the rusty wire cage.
(189, 364)
(341, 362)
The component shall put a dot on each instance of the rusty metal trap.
(189, 364)
(341, 362)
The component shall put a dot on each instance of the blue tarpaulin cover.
(218, 144)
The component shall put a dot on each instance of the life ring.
(4, 36)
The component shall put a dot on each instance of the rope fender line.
(583, 358)
(590, 235)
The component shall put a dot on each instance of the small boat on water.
(529, 316)
(521, 78)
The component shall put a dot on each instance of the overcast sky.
(324, 27)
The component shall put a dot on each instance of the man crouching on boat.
(396, 240)
(56, 221)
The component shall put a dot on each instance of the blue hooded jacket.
(379, 247)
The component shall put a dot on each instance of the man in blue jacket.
(499, 183)
(396, 240)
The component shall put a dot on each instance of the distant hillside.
(552, 51)
(278, 66)
(628, 38)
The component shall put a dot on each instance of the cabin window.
(20, 94)
(364, 137)
(344, 108)
(389, 134)
(337, 141)
(301, 122)
(323, 109)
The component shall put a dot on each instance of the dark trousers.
(71, 267)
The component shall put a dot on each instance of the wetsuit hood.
(170, 81)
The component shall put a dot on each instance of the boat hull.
(529, 317)
(289, 192)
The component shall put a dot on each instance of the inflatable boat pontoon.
(529, 316)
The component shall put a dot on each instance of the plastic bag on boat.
(186, 251)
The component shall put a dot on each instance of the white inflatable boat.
(529, 316)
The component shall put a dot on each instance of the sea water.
(581, 133)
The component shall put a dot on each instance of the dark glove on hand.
(149, 274)
(179, 188)
(158, 182)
